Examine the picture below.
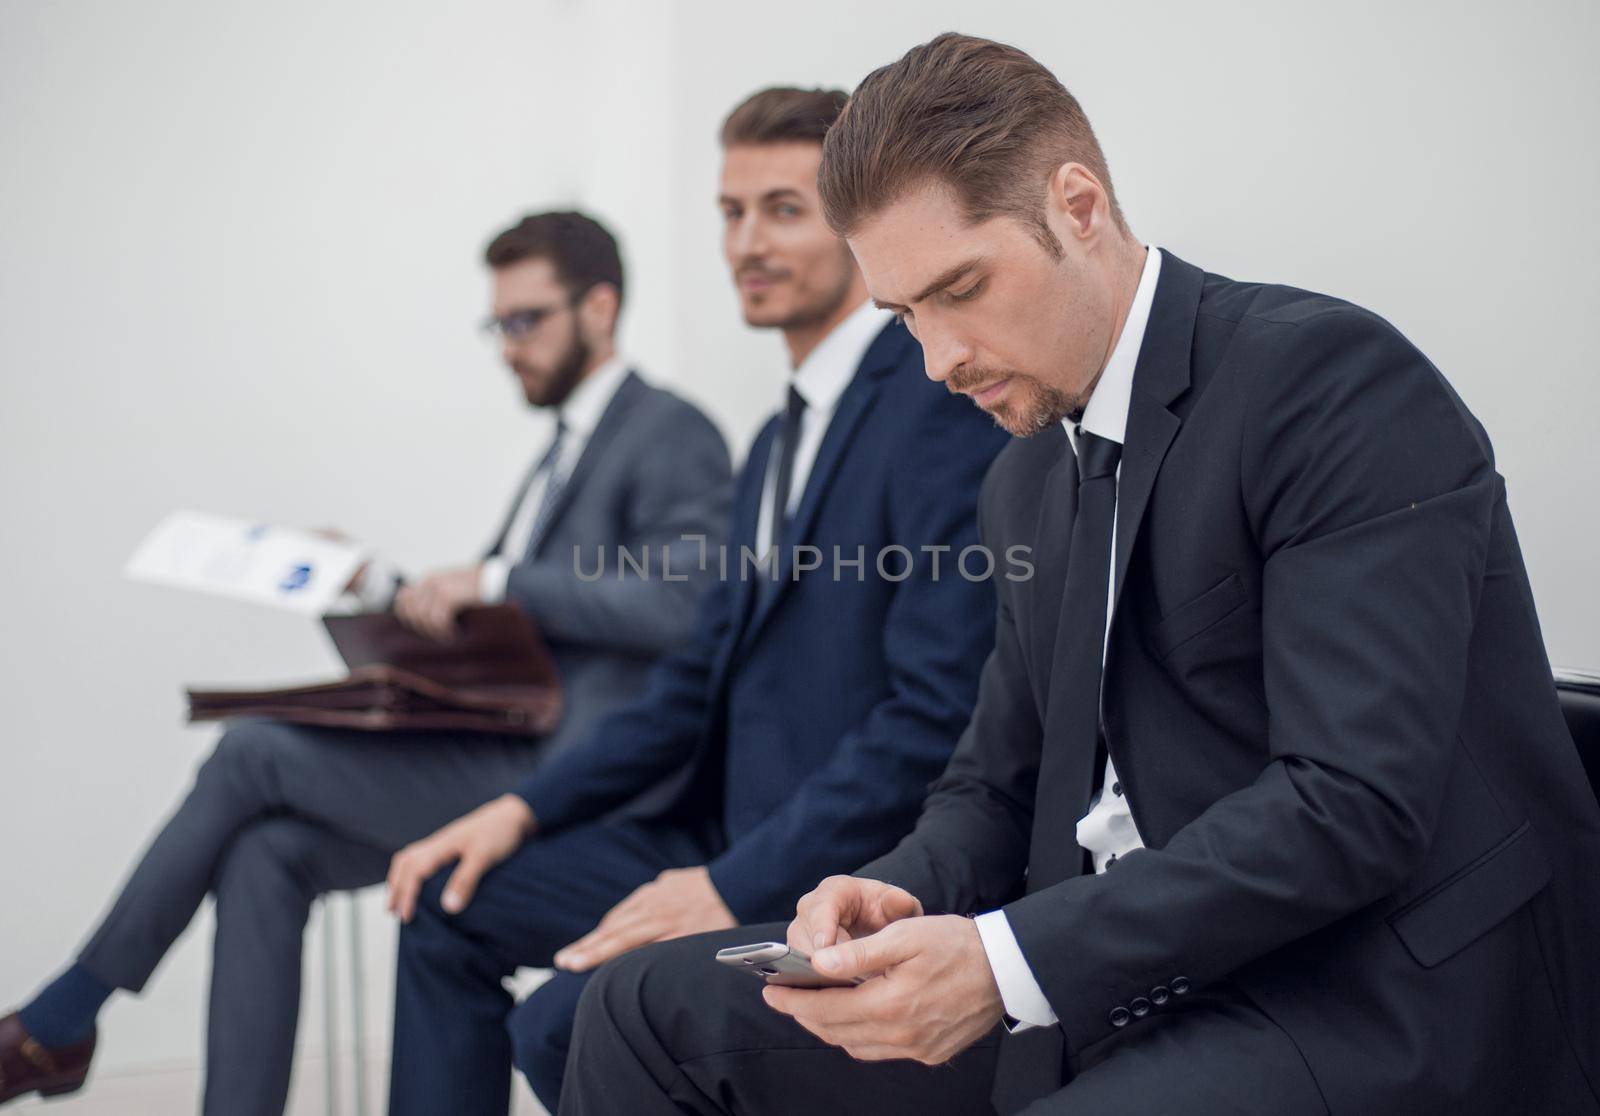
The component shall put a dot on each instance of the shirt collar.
(580, 412)
(1107, 412)
(829, 368)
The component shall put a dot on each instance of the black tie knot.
(797, 405)
(1097, 456)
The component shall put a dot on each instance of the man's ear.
(1077, 205)
(598, 310)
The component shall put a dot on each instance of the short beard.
(1043, 408)
(567, 373)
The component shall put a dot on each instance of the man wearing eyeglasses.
(280, 814)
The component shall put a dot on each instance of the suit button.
(1119, 1017)
(1160, 994)
(1140, 1007)
(1116, 789)
(1180, 985)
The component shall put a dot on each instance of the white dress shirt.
(820, 380)
(1107, 831)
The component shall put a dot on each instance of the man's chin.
(1019, 422)
(763, 317)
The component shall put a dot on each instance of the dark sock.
(64, 1012)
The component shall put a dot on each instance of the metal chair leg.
(330, 1013)
(358, 1015)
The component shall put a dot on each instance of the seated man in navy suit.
(799, 729)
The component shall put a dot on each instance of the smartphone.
(776, 963)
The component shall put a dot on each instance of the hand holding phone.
(776, 963)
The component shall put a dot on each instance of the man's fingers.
(408, 606)
(463, 882)
(897, 903)
(834, 903)
(598, 948)
(830, 1009)
(863, 957)
(400, 880)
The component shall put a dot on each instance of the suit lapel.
(594, 450)
(881, 359)
(746, 518)
(1160, 377)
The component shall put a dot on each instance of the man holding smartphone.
(1267, 805)
(825, 686)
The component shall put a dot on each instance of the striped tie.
(555, 482)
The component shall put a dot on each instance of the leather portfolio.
(494, 675)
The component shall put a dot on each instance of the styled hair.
(783, 114)
(979, 116)
(581, 249)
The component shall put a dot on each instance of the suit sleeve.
(642, 743)
(680, 492)
(1370, 492)
(934, 641)
(970, 845)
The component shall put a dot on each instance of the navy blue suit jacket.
(800, 727)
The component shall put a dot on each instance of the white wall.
(238, 271)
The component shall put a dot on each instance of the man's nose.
(749, 240)
(942, 353)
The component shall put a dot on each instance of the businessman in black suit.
(282, 813)
(820, 694)
(1267, 805)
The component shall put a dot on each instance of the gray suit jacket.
(653, 479)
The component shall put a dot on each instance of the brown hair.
(979, 116)
(783, 114)
(581, 249)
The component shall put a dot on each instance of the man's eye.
(967, 295)
(788, 211)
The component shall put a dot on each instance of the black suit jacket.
(1328, 700)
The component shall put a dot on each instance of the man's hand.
(679, 901)
(841, 908)
(476, 842)
(430, 606)
(935, 996)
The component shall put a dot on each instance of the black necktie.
(1055, 854)
(789, 439)
(549, 465)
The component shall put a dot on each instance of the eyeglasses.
(519, 323)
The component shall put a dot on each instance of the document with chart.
(250, 561)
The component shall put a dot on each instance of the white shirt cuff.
(1019, 992)
(492, 578)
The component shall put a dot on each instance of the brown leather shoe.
(26, 1066)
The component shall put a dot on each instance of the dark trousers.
(278, 815)
(665, 1031)
(454, 1034)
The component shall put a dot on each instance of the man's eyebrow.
(770, 195)
(948, 278)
